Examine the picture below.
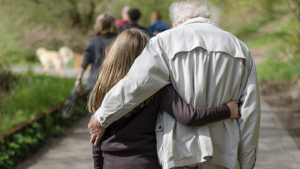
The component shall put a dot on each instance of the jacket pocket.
(159, 130)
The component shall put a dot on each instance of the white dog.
(57, 59)
(66, 54)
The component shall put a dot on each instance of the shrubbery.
(272, 70)
(8, 80)
(31, 138)
(20, 56)
(32, 95)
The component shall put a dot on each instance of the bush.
(21, 144)
(254, 25)
(8, 80)
(20, 56)
(34, 94)
(278, 70)
(26, 142)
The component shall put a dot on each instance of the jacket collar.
(199, 20)
(218, 40)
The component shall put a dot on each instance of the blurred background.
(270, 28)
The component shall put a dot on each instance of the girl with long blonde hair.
(130, 142)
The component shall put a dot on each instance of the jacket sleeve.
(88, 55)
(148, 74)
(249, 122)
(188, 115)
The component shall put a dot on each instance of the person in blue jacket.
(157, 25)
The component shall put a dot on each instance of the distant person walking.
(157, 25)
(125, 18)
(134, 16)
(105, 31)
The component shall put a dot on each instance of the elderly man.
(208, 67)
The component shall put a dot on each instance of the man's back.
(203, 69)
(208, 67)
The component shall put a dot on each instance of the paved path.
(72, 151)
(276, 148)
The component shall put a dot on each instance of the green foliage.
(244, 18)
(20, 56)
(11, 51)
(272, 70)
(265, 39)
(275, 45)
(271, 28)
(26, 142)
(254, 25)
(70, 12)
(8, 80)
(21, 144)
(35, 93)
(293, 37)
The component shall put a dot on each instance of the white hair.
(181, 11)
(125, 9)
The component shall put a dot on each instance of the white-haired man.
(208, 67)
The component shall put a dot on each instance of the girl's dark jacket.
(130, 142)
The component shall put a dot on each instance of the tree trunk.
(90, 15)
(74, 14)
(298, 10)
(298, 23)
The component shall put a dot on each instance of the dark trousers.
(97, 156)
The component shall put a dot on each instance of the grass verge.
(31, 138)
(33, 94)
(272, 70)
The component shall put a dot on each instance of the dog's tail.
(66, 54)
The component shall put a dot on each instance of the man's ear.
(174, 25)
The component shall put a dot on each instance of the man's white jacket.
(208, 67)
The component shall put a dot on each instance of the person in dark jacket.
(130, 142)
(134, 16)
(157, 25)
(105, 32)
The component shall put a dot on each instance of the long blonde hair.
(119, 58)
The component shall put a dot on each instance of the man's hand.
(96, 130)
(233, 105)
